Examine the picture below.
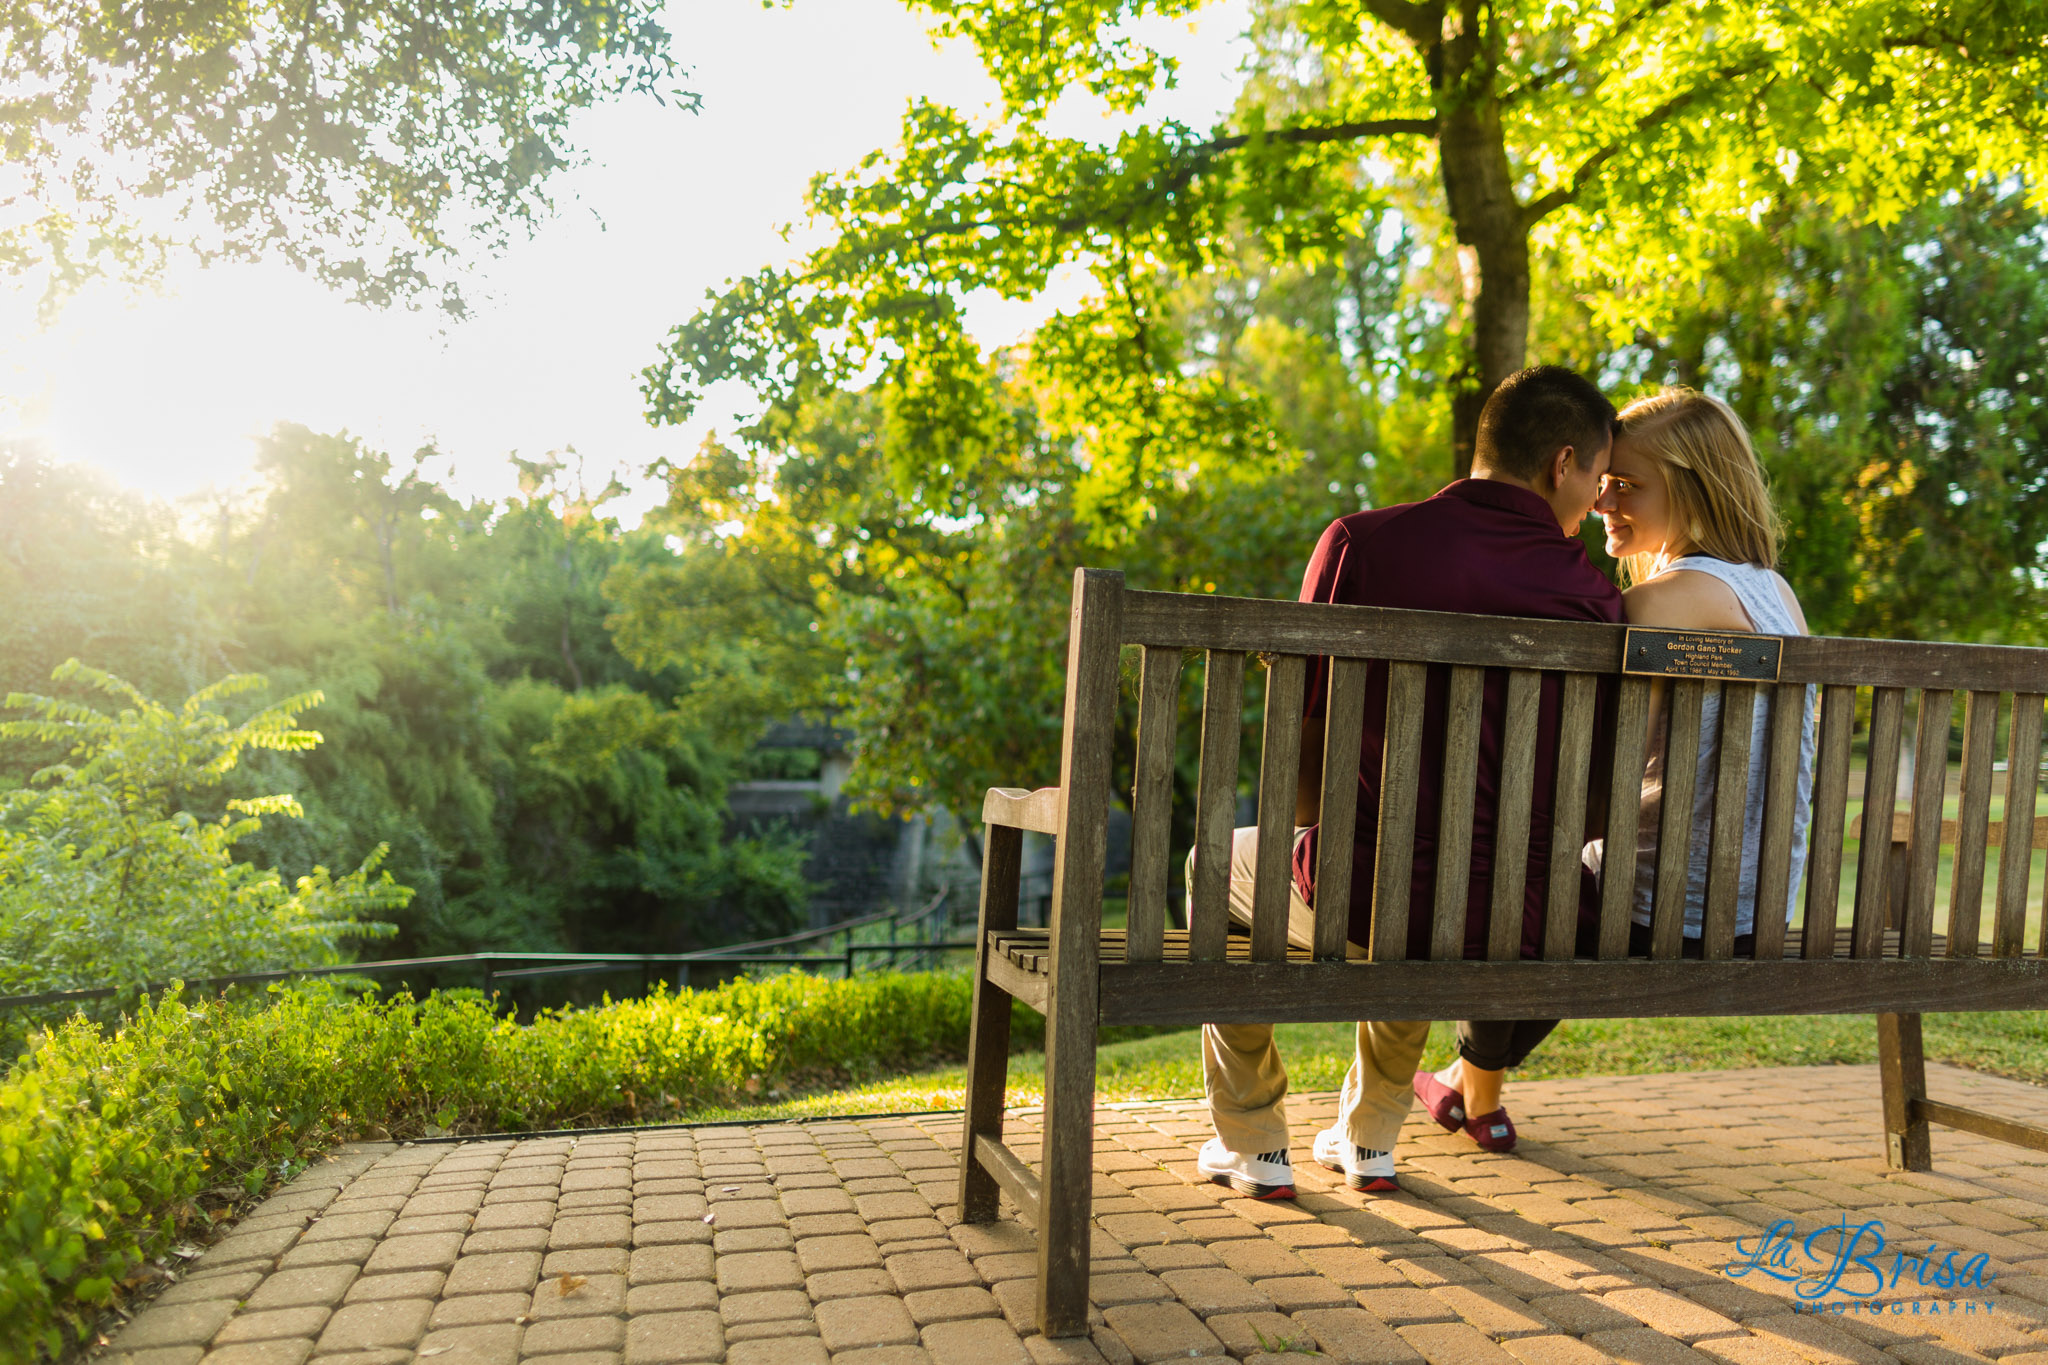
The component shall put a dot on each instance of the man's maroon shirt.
(1478, 546)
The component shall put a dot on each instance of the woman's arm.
(1681, 600)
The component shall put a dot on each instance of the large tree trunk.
(1488, 219)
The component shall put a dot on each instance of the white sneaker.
(1269, 1175)
(1363, 1168)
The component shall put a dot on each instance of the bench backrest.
(1900, 676)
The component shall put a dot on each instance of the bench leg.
(1067, 1173)
(1903, 1071)
(988, 1038)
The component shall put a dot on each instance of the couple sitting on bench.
(1677, 483)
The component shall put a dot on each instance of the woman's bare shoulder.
(1684, 600)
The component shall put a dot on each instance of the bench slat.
(1343, 727)
(1400, 769)
(1790, 712)
(1880, 800)
(1215, 804)
(1256, 992)
(1683, 705)
(2016, 859)
(1923, 849)
(1152, 802)
(1315, 628)
(1830, 812)
(1731, 807)
(1511, 820)
(1462, 717)
(1624, 806)
(1568, 822)
(1279, 776)
(1973, 816)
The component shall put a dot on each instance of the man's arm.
(1318, 584)
(1308, 792)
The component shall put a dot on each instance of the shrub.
(107, 876)
(106, 1136)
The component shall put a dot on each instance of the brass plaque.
(1701, 654)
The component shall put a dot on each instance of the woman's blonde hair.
(1719, 500)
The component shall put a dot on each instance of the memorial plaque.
(1701, 654)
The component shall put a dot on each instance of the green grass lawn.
(1943, 892)
(1169, 1065)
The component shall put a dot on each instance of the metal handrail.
(563, 964)
(572, 968)
(804, 936)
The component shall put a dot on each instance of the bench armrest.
(1016, 808)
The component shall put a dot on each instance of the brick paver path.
(1605, 1237)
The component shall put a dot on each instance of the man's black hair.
(1534, 413)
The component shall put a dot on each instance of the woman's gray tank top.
(1757, 590)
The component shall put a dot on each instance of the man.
(1500, 543)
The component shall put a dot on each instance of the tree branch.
(1192, 160)
(1542, 207)
(1933, 40)
(1315, 135)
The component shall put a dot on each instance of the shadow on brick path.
(1606, 1237)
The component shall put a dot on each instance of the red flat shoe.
(1494, 1132)
(1444, 1104)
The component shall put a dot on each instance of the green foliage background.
(1892, 376)
(533, 787)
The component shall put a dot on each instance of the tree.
(80, 572)
(528, 803)
(1891, 378)
(1887, 373)
(561, 513)
(1632, 138)
(931, 620)
(366, 144)
(334, 496)
(452, 640)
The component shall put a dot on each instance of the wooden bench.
(1887, 960)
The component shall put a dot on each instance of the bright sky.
(165, 391)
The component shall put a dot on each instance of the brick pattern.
(1604, 1239)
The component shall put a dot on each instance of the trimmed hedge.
(106, 1138)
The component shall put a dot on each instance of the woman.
(1690, 519)
(1689, 516)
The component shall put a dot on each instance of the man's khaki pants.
(1241, 1068)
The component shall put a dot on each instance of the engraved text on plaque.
(1701, 654)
